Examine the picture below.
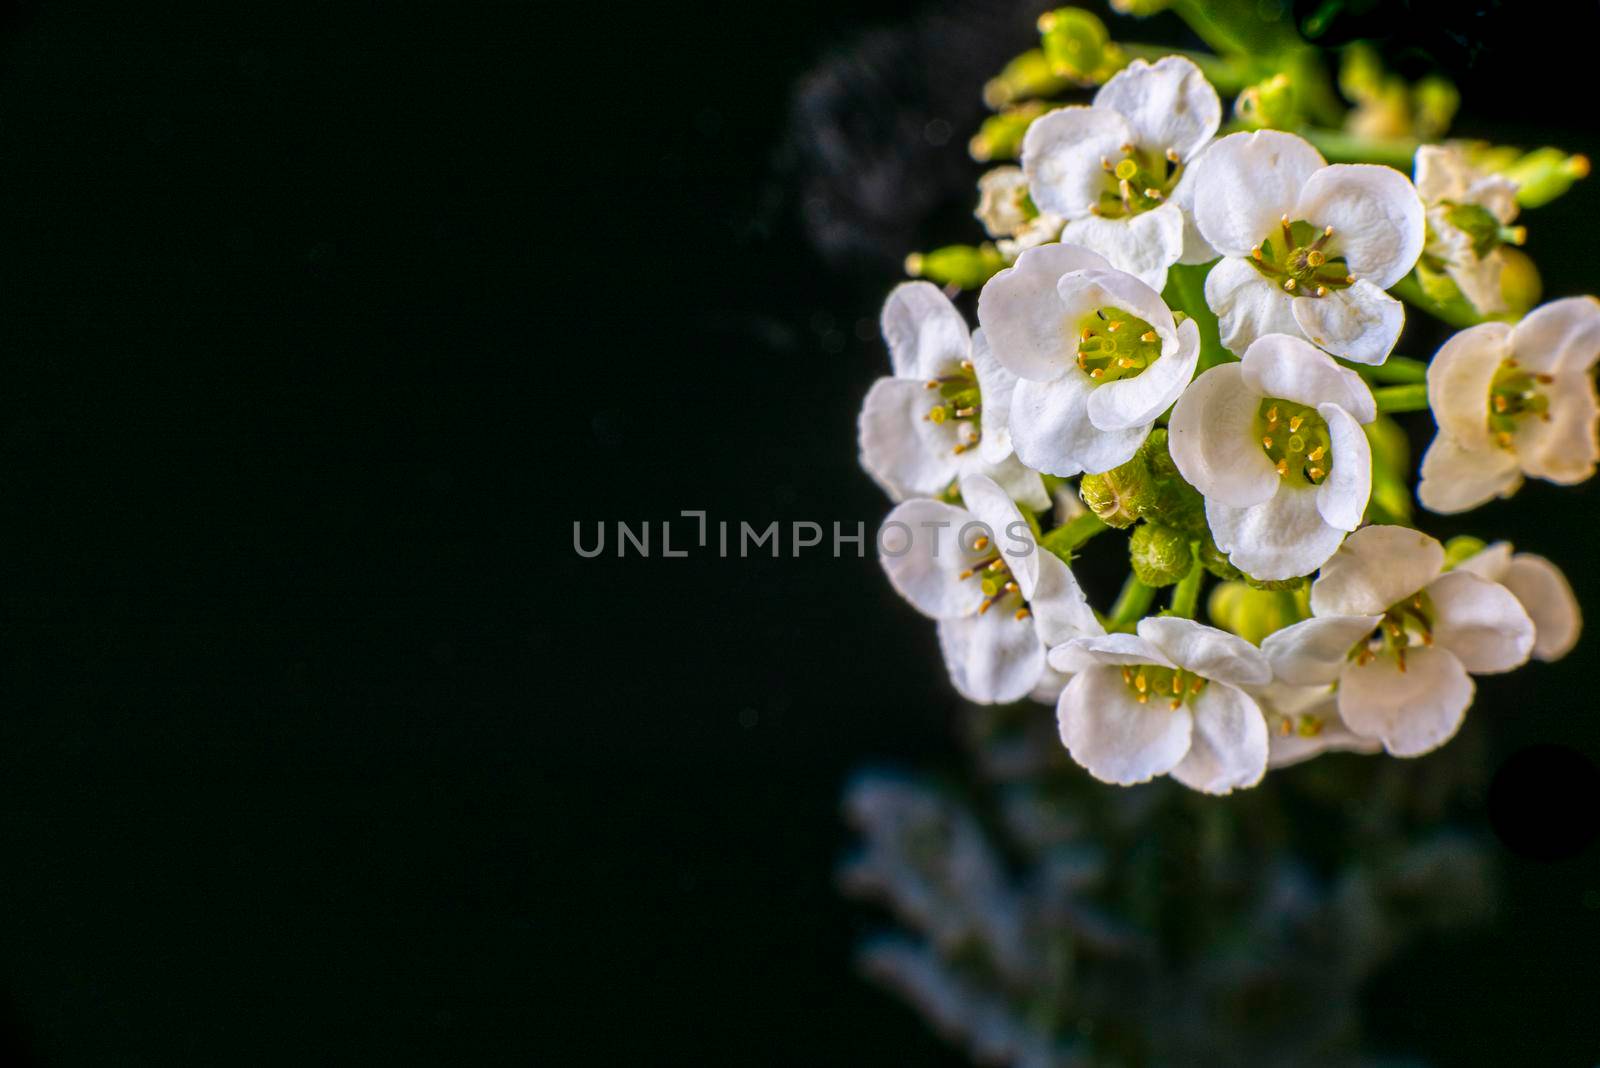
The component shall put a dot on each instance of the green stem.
(1341, 147)
(1132, 603)
(1396, 370)
(1458, 315)
(1186, 594)
(1407, 398)
(1068, 538)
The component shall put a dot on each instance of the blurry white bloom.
(1098, 354)
(1119, 171)
(999, 598)
(1399, 637)
(1469, 218)
(1008, 214)
(1545, 594)
(1303, 722)
(946, 410)
(1275, 445)
(1513, 401)
(1170, 699)
(1308, 249)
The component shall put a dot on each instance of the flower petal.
(1548, 599)
(1413, 711)
(1376, 567)
(1228, 744)
(1292, 369)
(1061, 154)
(1318, 702)
(1342, 497)
(1376, 216)
(1113, 736)
(1481, 622)
(894, 449)
(1563, 335)
(1247, 305)
(1564, 446)
(1283, 537)
(924, 331)
(1027, 327)
(1360, 323)
(1480, 279)
(1061, 612)
(1135, 402)
(1457, 479)
(1169, 104)
(992, 658)
(1312, 652)
(1144, 245)
(1206, 651)
(1459, 377)
(1051, 431)
(1105, 650)
(1491, 562)
(1007, 530)
(917, 546)
(1246, 182)
(1021, 484)
(995, 386)
(1212, 438)
(1196, 249)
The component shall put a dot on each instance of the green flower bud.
(1250, 613)
(1460, 549)
(1140, 9)
(1078, 47)
(1000, 136)
(1029, 75)
(1361, 73)
(963, 266)
(1436, 100)
(1174, 503)
(1544, 174)
(1269, 105)
(1160, 555)
(1520, 283)
(1118, 495)
(1213, 560)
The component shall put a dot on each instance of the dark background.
(323, 323)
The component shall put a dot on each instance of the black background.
(322, 324)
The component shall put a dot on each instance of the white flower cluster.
(1079, 357)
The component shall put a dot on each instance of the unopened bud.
(1544, 174)
(1160, 555)
(962, 266)
(1118, 495)
(1520, 284)
(1025, 77)
(1140, 9)
(1268, 105)
(1434, 100)
(1000, 136)
(1250, 613)
(1078, 47)
(1460, 549)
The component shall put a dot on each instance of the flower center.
(1482, 228)
(1404, 624)
(1295, 439)
(1113, 344)
(1137, 182)
(1514, 395)
(959, 403)
(994, 578)
(1305, 724)
(1172, 685)
(1296, 258)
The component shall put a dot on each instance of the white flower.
(946, 410)
(1275, 445)
(1399, 638)
(1513, 401)
(1469, 215)
(1120, 171)
(1303, 722)
(1100, 357)
(1170, 699)
(1308, 249)
(1006, 212)
(1542, 589)
(999, 598)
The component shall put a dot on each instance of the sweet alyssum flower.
(1168, 700)
(1542, 589)
(1009, 215)
(1308, 248)
(1098, 355)
(1469, 217)
(1000, 600)
(1513, 401)
(946, 410)
(1274, 444)
(1400, 638)
(1119, 171)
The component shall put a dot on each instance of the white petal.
(1549, 601)
(1442, 173)
(1060, 610)
(1028, 329)
(1000, 193)
(1051, 431)
(925, 332)
(1246, 182)
(1563, 447)
(992, 658)
(1563, 335)
(1376, 567)
(1213, 441)
(1376, 216)
(1021, 484)
(1247, 305)
(918, 548)
(1457, 479)
(1360, 323)
(1010, 533)
(1206, 651)
(895, 450)
(1283, 537)
(1196, 249)
(1083, 293)
(1342, 497)
(1479, 279)
(1047, 691)
(1491, 562)
(1061, 154)
(1289, 368)
(1137, 401)
(1284, 750)
(1313, 651)
(995, 386)
(1413, 711)
(1144, 245)
(1459, 377)
(1169, 104)
(1228, 745)
(1481, 622)
(1117, 739)
(1105, 650)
